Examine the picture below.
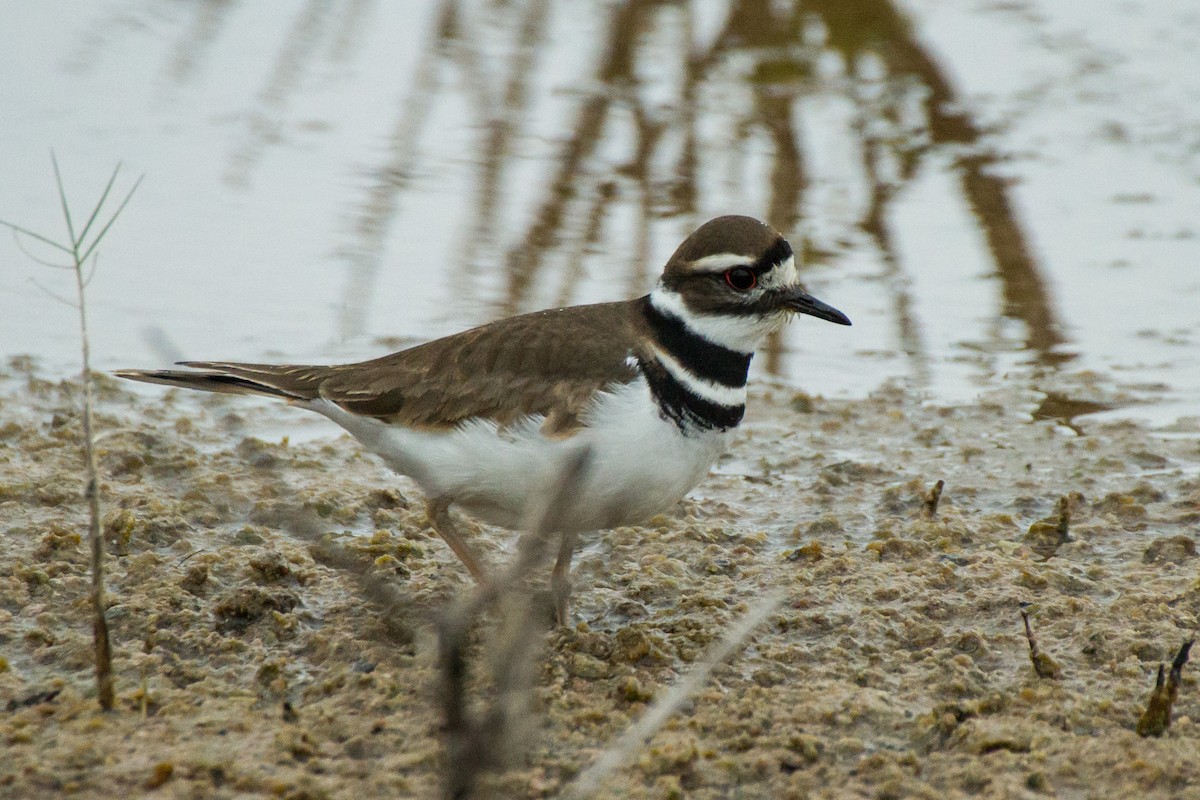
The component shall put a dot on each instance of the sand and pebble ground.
(252, 662)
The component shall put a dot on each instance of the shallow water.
(998, 194)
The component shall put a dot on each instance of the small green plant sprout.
(1157, 717)
(80, 254)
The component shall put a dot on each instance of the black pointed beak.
(802, 302)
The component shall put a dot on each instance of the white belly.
(640, 465)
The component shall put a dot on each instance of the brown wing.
(502, 371)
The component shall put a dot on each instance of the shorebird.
(482, 419)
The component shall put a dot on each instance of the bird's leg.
(560, 578)
(438, 509)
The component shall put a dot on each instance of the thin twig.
(92, 272)
(1043, 665)
(1064, 519)
(933, 498)
(111, 220)
(80, 250)
(100, 203)
(1157, 717)
(636, 735)
(66, 301)
(17, 229)
(477, 743)
(103, 647)
(21, 246)
(66, 207)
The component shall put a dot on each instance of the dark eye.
(741, 279)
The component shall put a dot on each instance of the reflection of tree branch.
(788, 176)
(788, 182)
(103, 33)
(878, 25)
(378, 210)
(502, 126)
(759, 24)
(875, 224)
(350, 29)
(649, 131)
(266, 118)
(751, 24)
(602, 200)
(683, 186)
(1026, 296)
(524, 260)
(197, 40)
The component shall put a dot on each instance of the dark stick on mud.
(1064, 519)
(1043, 665)
(1157, 717)
(1045, 536)
(933, 498)
(480, 742)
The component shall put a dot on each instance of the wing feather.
(503, 371)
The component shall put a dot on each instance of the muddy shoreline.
(251, 660)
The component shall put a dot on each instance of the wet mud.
(255, 657)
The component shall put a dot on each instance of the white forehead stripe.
(741, 333)
(728, 396)
(720, 262)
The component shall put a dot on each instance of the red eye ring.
(741, 279)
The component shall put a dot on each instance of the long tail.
(289, 382)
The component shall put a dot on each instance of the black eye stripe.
(778, 253)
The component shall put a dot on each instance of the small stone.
(806, 746)
(588, 667)
(249, 534)
(669, 787)
(987, 736)
(849, 746)
(194, 578)
(802, 403)
(270, 567)
(811, 553)
(161, 773)
(631, 690)
(673, 753)
(241, 607)
(632, 644)
(1123, 506)
(1044, 537)
(118, 529)
(386, 499)
(1170, 550)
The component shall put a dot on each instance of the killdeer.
(653, 387)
